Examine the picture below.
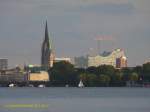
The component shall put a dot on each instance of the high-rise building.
(47, 56)
(3, 64)
(81, 62)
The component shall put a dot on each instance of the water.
(75, 99)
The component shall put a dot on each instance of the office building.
(3, 64)
(37, 73)
(81, 62)
(62, 59)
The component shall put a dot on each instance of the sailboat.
(41, 86)
(12, 85)
(80, 85)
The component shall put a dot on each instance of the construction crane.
(101, 38)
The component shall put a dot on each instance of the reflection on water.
(74, 100)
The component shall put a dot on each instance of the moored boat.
(41, 86)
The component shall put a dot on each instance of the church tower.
(47, 55)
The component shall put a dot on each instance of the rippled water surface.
(74, 99)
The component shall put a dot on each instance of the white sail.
(11, 85)
(81, 84)
(41, 86)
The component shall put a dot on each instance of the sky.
(73, 27)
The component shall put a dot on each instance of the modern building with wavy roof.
(115, 58)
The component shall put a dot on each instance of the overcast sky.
(73, 26)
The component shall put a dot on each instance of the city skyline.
(73, 25)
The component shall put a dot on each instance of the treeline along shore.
(63, 73)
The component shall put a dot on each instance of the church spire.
(47, 52)
(46, 32)
(47, 38)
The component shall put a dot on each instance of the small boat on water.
(80, 85)
(41, 86)
(11, 85)
(66, 85)
(30, 85)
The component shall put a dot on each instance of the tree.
(138, 69)
(146, 68)
(80, 70)
(117, 77)
(133, 77)
(126, 73)
(106, 69)
(64, 73)
(92, 70)
(92, 79)
(88, 79)
(83, 77)
(104, 80)
(146, 71)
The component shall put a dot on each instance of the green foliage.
(88, 79)
(133, 76)
(104, 79)
(92, 79)
(146, 72)
(83, 77)
(138, 69)
(65, 73)
(118, 76)
(126, 73)
(106, 69)
(146, 68)
(92, 70)
(63, 66)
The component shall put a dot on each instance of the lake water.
(74, 99)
